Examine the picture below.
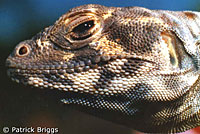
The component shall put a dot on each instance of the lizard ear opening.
(172, 44)
(178, 56)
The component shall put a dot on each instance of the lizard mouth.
(69, 67)
(21, 73)
(64, 67)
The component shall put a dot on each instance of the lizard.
(130, 65)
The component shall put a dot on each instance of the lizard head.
(119, 59)
(61, 52)
(93, 46)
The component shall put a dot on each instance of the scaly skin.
(132, 66)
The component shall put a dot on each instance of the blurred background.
(22, 106)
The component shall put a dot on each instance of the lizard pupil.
(84, 27)
(83, 30)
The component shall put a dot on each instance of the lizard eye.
(83, 30)
(78, 30)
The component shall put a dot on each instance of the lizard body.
(131, 65)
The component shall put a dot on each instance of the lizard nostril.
(23, 50)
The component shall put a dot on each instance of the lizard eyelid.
(82, 29)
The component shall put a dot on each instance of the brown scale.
(133, 66)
